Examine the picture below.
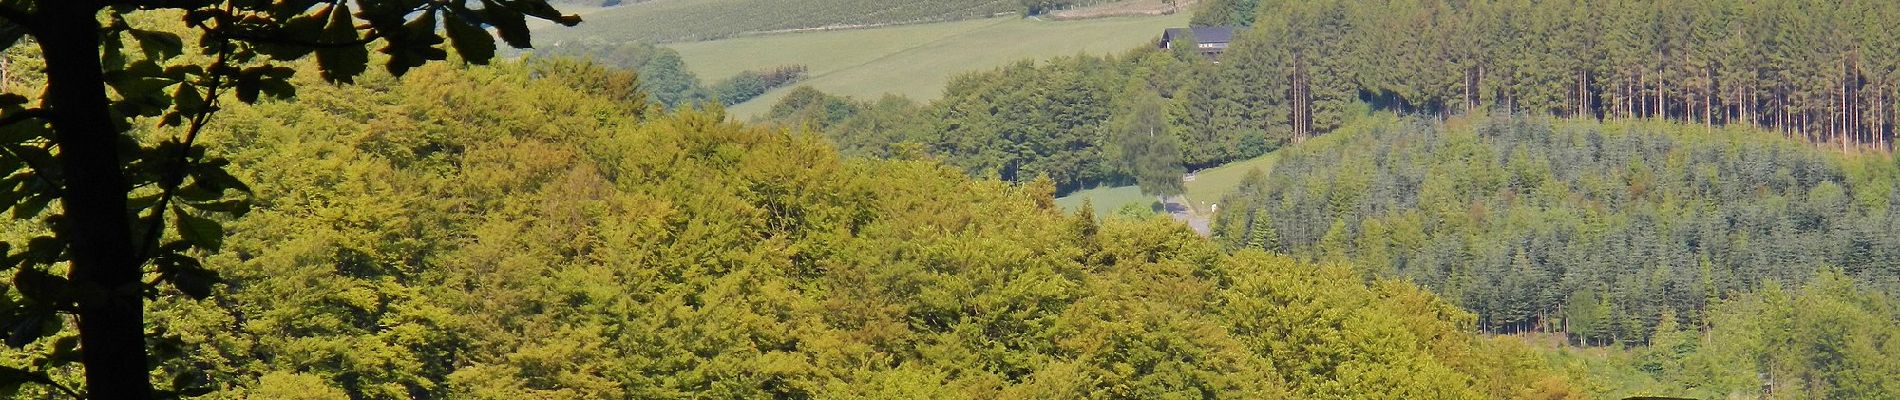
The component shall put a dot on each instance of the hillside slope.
(511, 232)
(1532, 221)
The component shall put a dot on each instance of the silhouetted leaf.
(201, 232)
(212, 175)
(289, 8)
(12, 376)
(187, 274)
(11, 34)
(414, 44)
(158, 45)
(182, 73)
(23, 131)
(171, 119)
(341, 63)
(31, 206)
(274, 80)
(197, 192)
(248, 86)
(12, 100)
(236, 207)
(65, 349)
(43, 250)
(298, 30)
(265, 79)
(37, 285)
(187, 99)
(41, 160)
(475, 44)
(542, 10)
(511, 24)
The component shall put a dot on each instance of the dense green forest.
(1701, 237)
(1664, 240)
(1526, 220)
(1675, 239)
(539, 230)
(1827, 339)
(1816, 70)
(1821, 70)
(553, 228)
(1609, 233)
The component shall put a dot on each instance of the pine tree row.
(1820, 70)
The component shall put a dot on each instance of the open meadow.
(1206, 189)
(914, 61)
(660, 21)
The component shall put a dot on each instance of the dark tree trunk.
(111, 327)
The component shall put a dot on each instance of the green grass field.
(1212, 183)
(660, 21)
(1106, 200)
(1206, 189)
(914, 61)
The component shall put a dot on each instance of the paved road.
(1177, 207)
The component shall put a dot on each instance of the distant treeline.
(1039, 7)
(664, 76)
(1072, 119)
(1822, 70)
(747, 85)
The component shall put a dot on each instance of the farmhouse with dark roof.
(1210, 41)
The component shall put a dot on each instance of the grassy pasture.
(1106, 200)
(914, 61)
(1212, 183)
(660, 21)
(1207, 188)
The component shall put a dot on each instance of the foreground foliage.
(506, 233)
(135, 212)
